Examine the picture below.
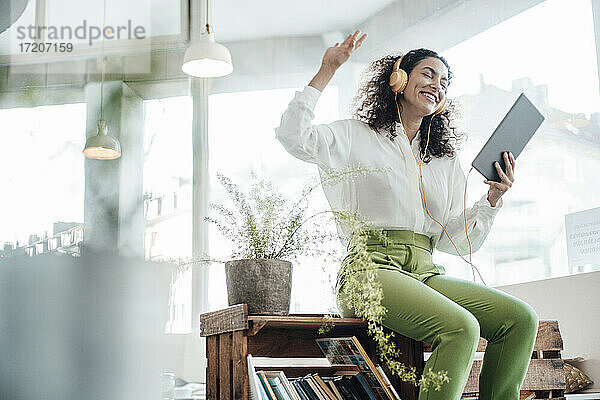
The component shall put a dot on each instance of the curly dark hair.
(374, 105)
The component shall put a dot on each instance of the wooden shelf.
(232, 334)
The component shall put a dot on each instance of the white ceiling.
(231, 20)
(238, 20)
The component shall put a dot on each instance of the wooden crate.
(545, 374)
(231, 334)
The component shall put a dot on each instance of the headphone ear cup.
(398, 80)
(441, 108)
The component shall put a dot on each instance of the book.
(343, 351)
(324, 387)
(334, 389)
(308, 389)
(256, 390)
(263, 394)
(299, 389)
(315, 387)
(263, 380)
(336, 382)
(350, 388)
(278, 388)
(287, 384)
(387, 381)
(358, 385)
(365, 386)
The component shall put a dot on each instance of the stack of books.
(356, 377)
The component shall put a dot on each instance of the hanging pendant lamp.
(206, 58)
(102, 146)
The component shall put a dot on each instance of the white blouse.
(390, 199)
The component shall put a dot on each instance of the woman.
(408, 131)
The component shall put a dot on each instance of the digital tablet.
(512, 134)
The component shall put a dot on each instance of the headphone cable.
(422, 190)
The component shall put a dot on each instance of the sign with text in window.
(583, 237)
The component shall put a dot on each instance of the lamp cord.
(207, 24)
(102, 59)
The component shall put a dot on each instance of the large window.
(168, 197)
(556, 174)
(42, 179)
(242, 141)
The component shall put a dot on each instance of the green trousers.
(450, 314)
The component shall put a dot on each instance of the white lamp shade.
(207, 58)
(102, 146)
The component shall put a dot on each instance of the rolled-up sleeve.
(327, 145)
(480, 217)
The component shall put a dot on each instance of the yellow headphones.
(399, 79)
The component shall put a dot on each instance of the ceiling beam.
(434, 24)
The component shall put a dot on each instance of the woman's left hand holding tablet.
(497, 189)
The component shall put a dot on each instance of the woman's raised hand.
(334, 57)
(339, 53)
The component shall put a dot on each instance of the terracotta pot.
(264, 284)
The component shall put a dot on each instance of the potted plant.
(268, 231)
